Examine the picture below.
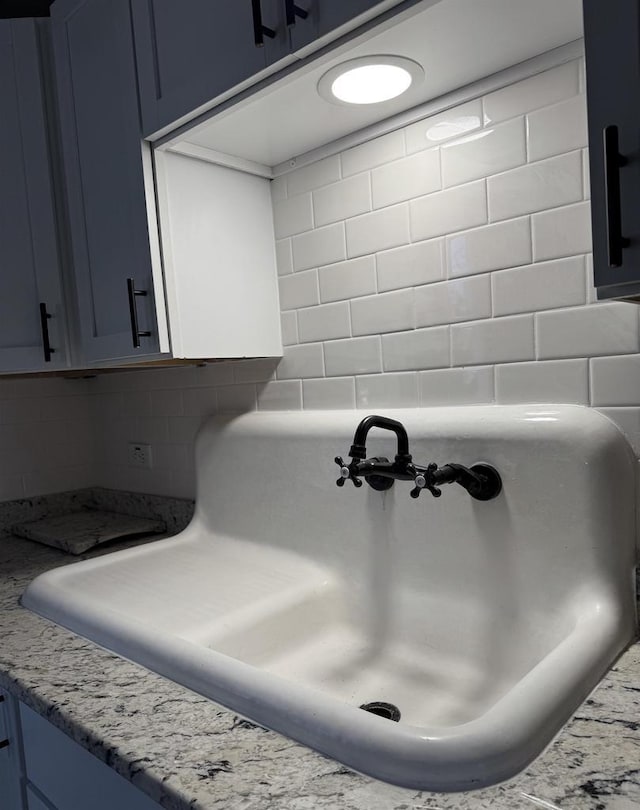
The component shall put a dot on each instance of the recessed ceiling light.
(369, 79)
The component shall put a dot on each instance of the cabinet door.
(189, 52)
(12, 796)
(612, 46)
(103, 163)
(323, 16)
(28, 243)
(68, 776)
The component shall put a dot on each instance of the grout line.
(531, 245)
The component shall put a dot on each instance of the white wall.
(415, 272)
(46, 437)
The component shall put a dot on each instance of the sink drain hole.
(386, 710)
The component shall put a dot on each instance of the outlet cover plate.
(140, 455)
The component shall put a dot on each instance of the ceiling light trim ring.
(327, 81)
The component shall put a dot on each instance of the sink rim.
(588, 576)
(423, 758)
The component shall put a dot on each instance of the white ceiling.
(455, 41)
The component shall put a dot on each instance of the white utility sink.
(293, 602)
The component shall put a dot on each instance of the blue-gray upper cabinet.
(612, 48)
(308, 20)
(31, 303)
(104, 178)
(191, 51)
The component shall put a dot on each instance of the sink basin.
(294, 602)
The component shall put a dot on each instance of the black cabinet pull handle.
(260, 31)
(613, 161)
(44, 328)
(4, 743)
(292, 11)
(136, 334)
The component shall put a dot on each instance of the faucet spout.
(481, 481)
(358, 448)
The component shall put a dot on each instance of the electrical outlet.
(140, 455)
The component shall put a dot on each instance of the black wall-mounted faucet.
(481, 481)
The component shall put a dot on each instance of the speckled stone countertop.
(186, 752)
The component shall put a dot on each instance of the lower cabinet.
(12, 787)
(43, 769)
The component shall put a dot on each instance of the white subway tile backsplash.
(63, 479)
(378, 230)
(586, 176)
(135, 404)
(464, 299)
(373, 153)
(349, 279)
(213, 374)
(299, 290)
(60, 407)
(251, 371)
(444, 212)
(318, 247)
(539, 286)
(280, 395)
(386, 312)
(171, 457)
(600, 329)
(456, 386)
(183, 484)
(406, 178)
(293, 215)
(166, 403)
(341, 200)
(484, 153)
(326, 322)
(531, 94)
(410, 265)
(444, 126)
(615, 380)
(492, 247)
(153, 429)
(12, 487)
(552, 381)
(301, 361)
(424, 256)
(354, 356)
(183, 429)
(13, 411)
(387, 391)
(199, 402)
(415, 350)
(236, 399)
(284, 257)
(501, 340)
(562, 232)
(545, 184)
(329, 393)
(310, 177)
(289, 326)
(556, 129)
